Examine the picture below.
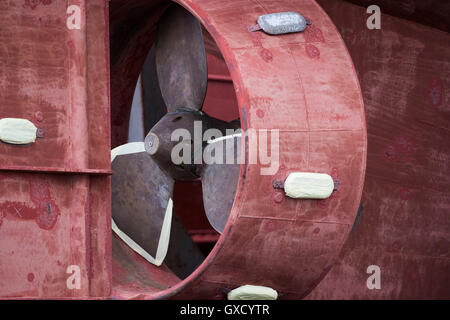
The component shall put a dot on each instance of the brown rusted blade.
(152, 100)
(140, 196)
(181, 59)
(219, 182)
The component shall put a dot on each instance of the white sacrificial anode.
(308, 185)
(249, 292)
(17, 131)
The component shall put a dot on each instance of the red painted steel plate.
(58, 78)
(404, 226)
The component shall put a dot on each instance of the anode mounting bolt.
(151, 143)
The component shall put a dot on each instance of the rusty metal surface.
(431, 13)
(181, 59)
(302, 84)
(44, 79)
(140, 196)
(404, 227)
(305, 86)
(57, 78)
(266, 235)
(41, 236)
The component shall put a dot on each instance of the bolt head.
(151, 143)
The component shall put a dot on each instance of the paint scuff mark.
(45, 212)
(33, 4)
(312, 51)
(313, 34)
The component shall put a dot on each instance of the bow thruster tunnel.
(302, 86)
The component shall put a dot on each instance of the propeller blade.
(219, 180)
(181, 60)
(141, 202)
(154, 106)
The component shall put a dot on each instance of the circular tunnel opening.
(192, 237)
